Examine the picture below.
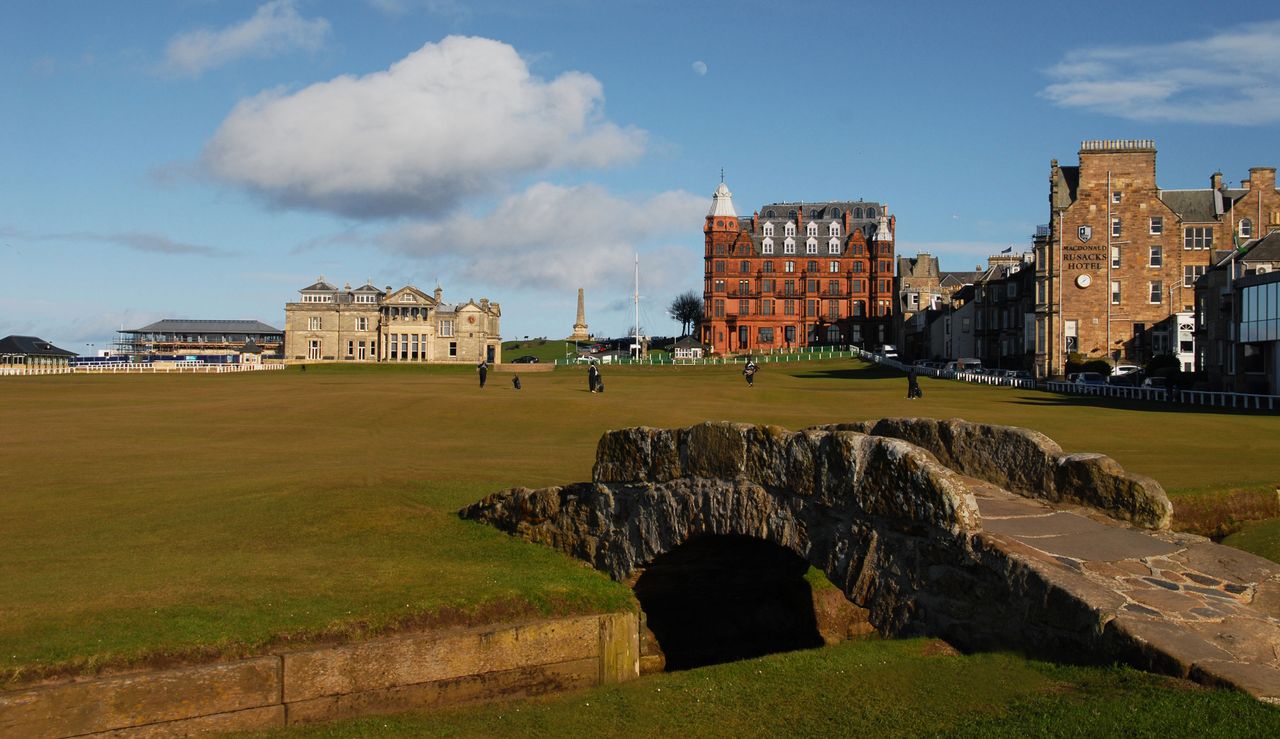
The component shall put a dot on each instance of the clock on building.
(1083, 280)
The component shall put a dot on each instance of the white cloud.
(700, 68)
(136, 240)
(455, 118)
(1225, 78)
(275, 28)
(561, 238)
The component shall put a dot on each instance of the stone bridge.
(989, 537)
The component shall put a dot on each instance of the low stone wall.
(410, 671)
(1030, 464)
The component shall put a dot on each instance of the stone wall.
(406, 672)
(1031, 464)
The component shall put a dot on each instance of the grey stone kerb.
(892, 511)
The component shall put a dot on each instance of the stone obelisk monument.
(580, 325)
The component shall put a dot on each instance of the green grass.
(1259, 537)
(868, 688)
(546, 350)
(166, 516)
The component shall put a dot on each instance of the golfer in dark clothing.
(593, 378)
(515, 382)
(483, 368)
(749, 372)
(913, 385)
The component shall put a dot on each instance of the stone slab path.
(1204, 610)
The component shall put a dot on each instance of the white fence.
(125, 368)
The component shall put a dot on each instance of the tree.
(686, 308)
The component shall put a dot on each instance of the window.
(1157, 292)
(446, 325)
(813, 266)
(1191, 273)
(407, 298)
(768, 229)
(363, 351)
(790, 229)
(1197, 237)
(833, 287)
(789, 266)
(811, 307)
(871, 212)
(719, 309)
(767, 246)
(766, 335)
(395, 346)
(859, 286)
(833, 266)
(351, 348)
(362, 323)
(857, 268)
(913, 300)
(314, 323)
(833, 309)
(789, 246)
(811, 229)
(766, 307)
(833, 229)
(1246, 228)
(1115, 196)
(1070, 333)
(768, 265)
(744, 287)
(1115, 292)
(1115, 257)
(744, 266)
(766, 286)
(769, 213)
(1156, 259)
(790, 333)
(313, 349)
(811, 246)
(813, 286)
(1115, 228)
(789, 307)
(1157, 225)
(453, 348)
(789, 287)
(833, 246)
(366, 298)
(859, 308)
(720, 267)
(719, 286)
(857, 212)
(744, 307)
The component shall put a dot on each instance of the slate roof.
(250, 347)
(1266, 249)
(32, 346)
(202, 326)
(958, 278)
(1068, 181)
(1195, 206)
(320, 286)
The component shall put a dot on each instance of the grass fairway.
(177, 515)
(870, 688)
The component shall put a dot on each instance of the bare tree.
(687, 309)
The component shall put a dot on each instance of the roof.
(32, 346)
(688, 342)
(320, 286)
(722, 202)
(1266, 249)
(1067, 180)
(250, 347)
(1194, 206)
(958, 278)
(203, 326)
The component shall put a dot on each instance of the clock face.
(1084, 280)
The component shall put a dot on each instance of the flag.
(1006, 251)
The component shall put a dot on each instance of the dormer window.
(1246, 228)
(857, 212)
(833, 246)
(811, 246)
(768, 229)
(812, 229)
(789, 246)
(766, 247)
(790, 229)
(871, 212)
(813, 212)
(769, 213)
(833, 229)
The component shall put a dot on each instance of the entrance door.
(744, 337)
(489, 354)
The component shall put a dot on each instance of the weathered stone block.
(715, 450)
(1099, 481)
(250, 719)
(421, 658)
(142, 698)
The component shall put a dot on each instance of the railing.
(766, 356)
(1108, 391)
(122, 368)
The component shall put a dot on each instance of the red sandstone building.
(797, 274)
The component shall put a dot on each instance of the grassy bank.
(157, 517)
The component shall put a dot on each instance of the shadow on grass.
(868, 372)
(1155, 406)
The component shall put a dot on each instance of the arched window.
(871, 212)
(835, 213)
(857, 212)
(811, 246)
(1246, 228)
(813, 212)
(768, 229)
(834, 229)
(833, 246)
(769, 213)
(811, 229)
(789, 246)
(767, 246)
(790, 228)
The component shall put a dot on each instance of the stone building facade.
(1123, 255)
(797, 274)
(1237, 320)
(365, 324)
(924, 292)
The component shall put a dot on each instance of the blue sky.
(205, 159)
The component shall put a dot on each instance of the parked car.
(1018, 375)
(1157, 382)
(1090, 378)
(964, 365)
(889, 351)
(526, 359)
(1124, 369)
